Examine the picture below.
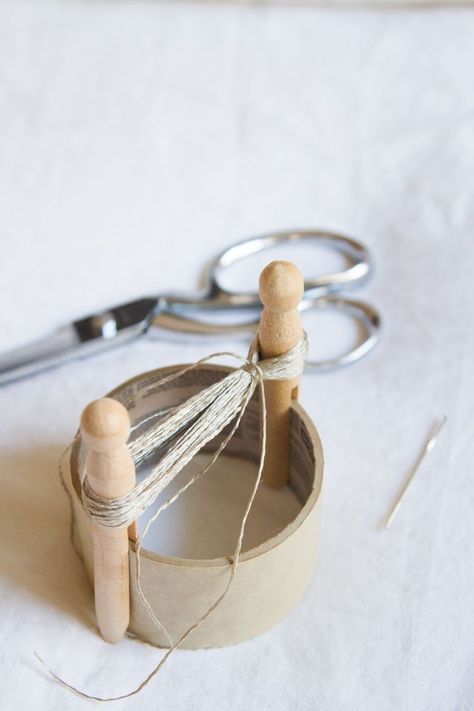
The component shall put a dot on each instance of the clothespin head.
(105, 425)
(281, 286)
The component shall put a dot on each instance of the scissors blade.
(92, 334)
(173, 320)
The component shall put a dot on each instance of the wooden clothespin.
(105, 428)
(281, 290)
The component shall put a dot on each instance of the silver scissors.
(175, 312)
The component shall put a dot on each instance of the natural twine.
(188, 427)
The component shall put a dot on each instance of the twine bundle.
(185, 430)
(199, 419)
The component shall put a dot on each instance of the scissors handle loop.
(369, 323)
(367, 318)
(185, 314)
(357, 256)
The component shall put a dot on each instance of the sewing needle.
(427, 447)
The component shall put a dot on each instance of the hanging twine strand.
(206, 414)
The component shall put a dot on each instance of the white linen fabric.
(136, 139)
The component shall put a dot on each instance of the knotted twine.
(187, 428)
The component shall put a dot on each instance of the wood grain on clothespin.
(281, 290)
(105, 428)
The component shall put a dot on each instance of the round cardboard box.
(273, 574)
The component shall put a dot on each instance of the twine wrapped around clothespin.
(109, 495)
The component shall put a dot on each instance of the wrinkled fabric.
(136, 140)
